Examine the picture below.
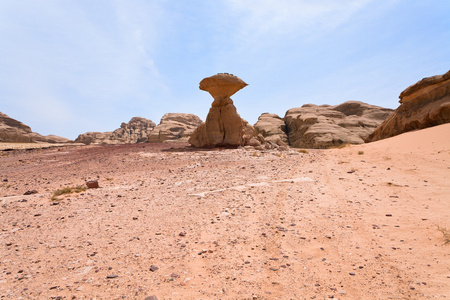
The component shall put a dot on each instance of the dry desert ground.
(361, 222)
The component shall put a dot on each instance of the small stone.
(273, 269)
(112, 276)
(182, 233)
(31, 192)
(352, 274)
(174, 275)
(153, 268)
(92, 184)
(153, 297)
(388, 215)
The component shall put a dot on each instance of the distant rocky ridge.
(13, 131)
(422, 105)
(325, 126)
(137, 130)
(174, 127)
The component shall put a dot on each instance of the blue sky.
(72, 66)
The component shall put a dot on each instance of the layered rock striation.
(422, 105)
(174, 127)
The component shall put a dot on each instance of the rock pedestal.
(223, 125)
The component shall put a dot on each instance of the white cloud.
(273, 19)
(65, 55)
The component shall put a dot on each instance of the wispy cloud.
(67, 55)
(281, 19)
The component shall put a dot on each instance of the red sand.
(359, 222)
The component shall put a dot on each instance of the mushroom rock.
(223, 125)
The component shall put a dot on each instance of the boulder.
(13, 131)
(175, 127)
(223, 125)
(271, 127)
(325, 126)
(137, 130)
(422, 105)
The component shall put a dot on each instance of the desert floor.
(360, 222)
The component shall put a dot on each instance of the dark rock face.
(175, 127)
(312, 126)
(13, 131)
(137, 130)
(422, 105)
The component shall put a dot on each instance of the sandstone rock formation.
(312, 126)
(137, 130)
(422, 105)
(223, 125)
(175, 127)
(13, 131)
(271, 127)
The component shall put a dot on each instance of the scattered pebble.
(31, 192)
(153, 268)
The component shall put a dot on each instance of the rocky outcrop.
(137, 130)
(13, 131)
(312, 126)
(271, 127)
(422, 105)
(95, 138)
(223, 125)
(175, 127)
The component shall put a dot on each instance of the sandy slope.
(354, 223)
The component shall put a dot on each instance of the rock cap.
(222, 85)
